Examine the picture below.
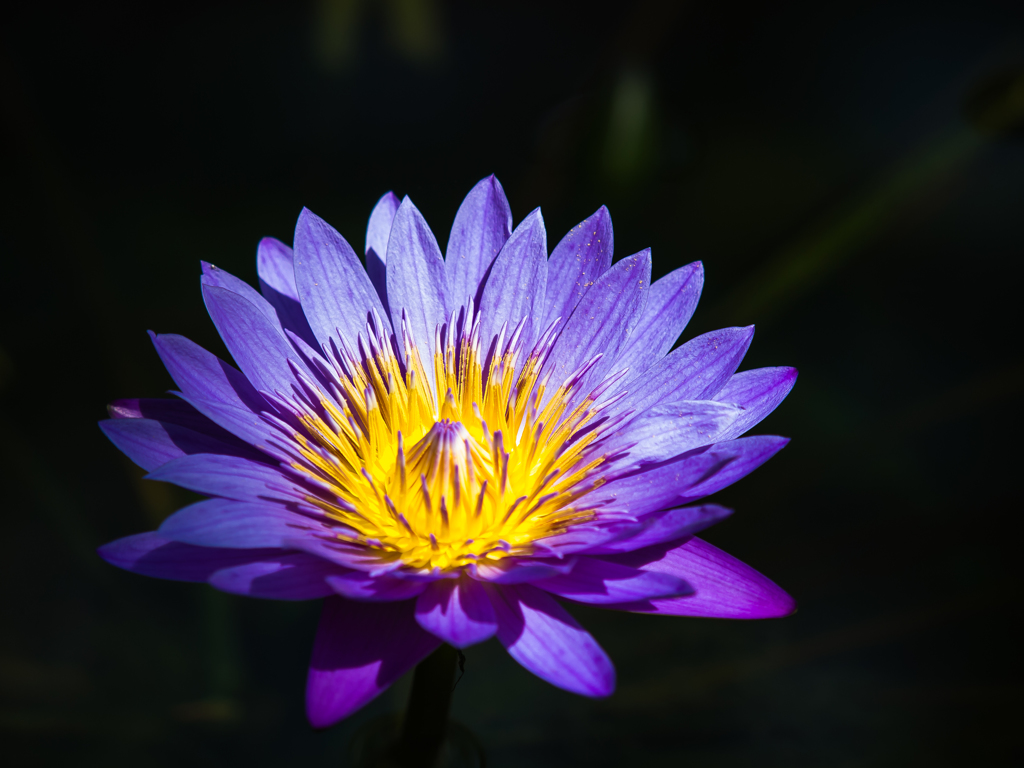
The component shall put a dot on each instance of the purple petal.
(481, 227)
(151, 444)
(170, 411)
(360, 650)
(287, 576)
(546, 640)
(726, 588)
(276, 268)
(671, 525)
(255, 343)
(582, 256)
(218, 278)
(664, 431)
(378, 230)
(242, 422)
(359, 585)
(236, 525)
(515, 287)
(689, 477)
(230, 477)
(417, 285)
(598, 582)
(670, 305)
(201, 374)
(334, 289)
(695, 371)
(758, 392)
(458, 611)
(602, 321)
(516, 570)
(151, 554)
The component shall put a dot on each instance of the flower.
(440, 447)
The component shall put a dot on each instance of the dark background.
(852, 176)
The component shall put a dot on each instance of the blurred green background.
(852, 176)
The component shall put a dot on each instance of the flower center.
(470, 470)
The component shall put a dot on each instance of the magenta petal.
(725, 587)
(458, 611)
(288, 576)
(359, 585)
(481, 227)
(360, 650)
(546, 640)
(151, 554)
(599, 582)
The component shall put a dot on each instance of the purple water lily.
(441, 447)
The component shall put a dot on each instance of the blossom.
(441, 447)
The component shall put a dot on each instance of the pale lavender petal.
(359, 585)
(582, 256)
(546, 640)
(334, 289)
(689, 477)
(725, 587)
(230, 477)
(458, 611)
(670, 525)
(695, 371)
(515, 287)
(758, 392)
(516, 570)
(288, 576)
(416, 281)
(664, 431)
(218, 278)
(201, 374)
(378, 230)
(151, 554)
(255, 343)
(602, 322)
(670, 305)
(275, 265)
(599, 582)
(360, 650)
(236, 525)
(151, 444)
(482, 225)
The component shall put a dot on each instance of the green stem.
(426, 717)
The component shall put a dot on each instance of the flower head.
(439, 446)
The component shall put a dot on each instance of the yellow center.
(470, 472)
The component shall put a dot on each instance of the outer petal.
(603, 583)
(230, 477)
(602, 321)
(334, 289)
(151, 554)
(670, 305)
(517, 282)
(255, 343)
(201, 374)
(689, 477)
(236, 525)
(481, 228)
(417, 284)
(545, 639)
(726, 587)
(360, 649)
(758, 392)
(219, 278)
(458, 611)
(582, 256)
(513, 570)
(275, 265)
(359, 585)
(671, 525)
(171, 411)
(288, 576)
(695, 371)
(378, 230)
(151, 444)
(664, 431)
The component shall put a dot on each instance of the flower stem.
(426, 717)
